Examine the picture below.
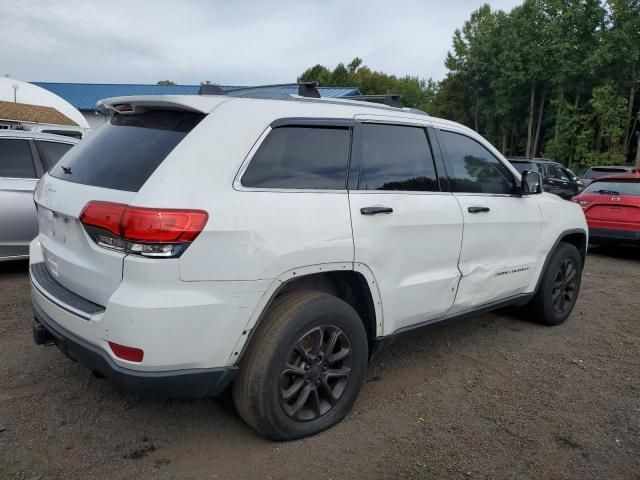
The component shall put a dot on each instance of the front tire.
(559, 288)
(304, 367)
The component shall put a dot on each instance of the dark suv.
(556, 178)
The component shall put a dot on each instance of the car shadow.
(14, 267)
(625, 252)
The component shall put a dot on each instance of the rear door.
(501, 228)
(558, 181)
(19, 174)
(407, 227)
(111, 165)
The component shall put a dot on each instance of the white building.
(25, 106)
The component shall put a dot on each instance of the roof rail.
(389, 99)
(305, 89)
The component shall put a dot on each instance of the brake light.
(131, 354)
(152, 232)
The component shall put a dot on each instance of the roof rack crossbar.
(305, 89)
(390, 99)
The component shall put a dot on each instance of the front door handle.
(375, 210)
(478, 209)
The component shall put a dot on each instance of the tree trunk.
(556, 134)
(632, 97)
(475, 115)
(573, 136)
(638, 150)
(530, 125)
(536, 142)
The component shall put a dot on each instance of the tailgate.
(72, 258)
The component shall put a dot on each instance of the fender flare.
(277, 284)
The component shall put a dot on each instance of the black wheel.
(559, 288)
(304, 367)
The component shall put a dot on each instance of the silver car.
(24, 157)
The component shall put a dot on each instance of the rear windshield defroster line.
(124, 153)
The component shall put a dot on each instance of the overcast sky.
(248, 42)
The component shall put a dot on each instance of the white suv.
(195, 242)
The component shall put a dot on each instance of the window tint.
(301, 157)
(602, 172)
(396, 158)
(123, 153)
(614, 187)
(554, 171)
(15, 159)
(52, 151)
(522, 166)
(473, 168)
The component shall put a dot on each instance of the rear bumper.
(201, 382)
(610, 235)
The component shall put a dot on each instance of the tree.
(165, 82)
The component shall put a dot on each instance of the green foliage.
(558, 78)
(165, 82)
(416, 92)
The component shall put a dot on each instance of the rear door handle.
(375, 210)
(478, 209)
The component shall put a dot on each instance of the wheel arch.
(576, 237)
(353, 283)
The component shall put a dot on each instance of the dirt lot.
(491, 397)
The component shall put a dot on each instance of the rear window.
(301, 158)
(625, 187)
(602, 172)
(123, 153)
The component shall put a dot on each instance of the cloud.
(225, 42)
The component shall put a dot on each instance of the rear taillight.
(150, 232)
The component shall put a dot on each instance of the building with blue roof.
(84, 96)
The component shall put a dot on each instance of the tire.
(297, 327)
(559, 288)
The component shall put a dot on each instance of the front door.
(501, 228)
(406, 229)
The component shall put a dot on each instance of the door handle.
(478, 209)
(375, 210)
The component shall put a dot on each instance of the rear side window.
(522, 166)
(615, 187)
(473, 168)
(123, 153)
(52, 151)
(301, 158)
(15, 159)
(396, 158)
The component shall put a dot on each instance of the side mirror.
(531, 183)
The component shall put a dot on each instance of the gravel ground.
(491, 397)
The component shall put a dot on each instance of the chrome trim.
(52, 299)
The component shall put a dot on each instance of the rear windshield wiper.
(608, 192)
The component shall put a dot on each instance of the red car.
(612, 207)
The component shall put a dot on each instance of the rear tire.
(304, 367)
(559, 288)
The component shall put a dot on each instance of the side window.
(396, 158)
(52, 151)
(555, 172)
(473, 168)
(301, 158)
(15, 159)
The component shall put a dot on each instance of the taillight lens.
(152, 232)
